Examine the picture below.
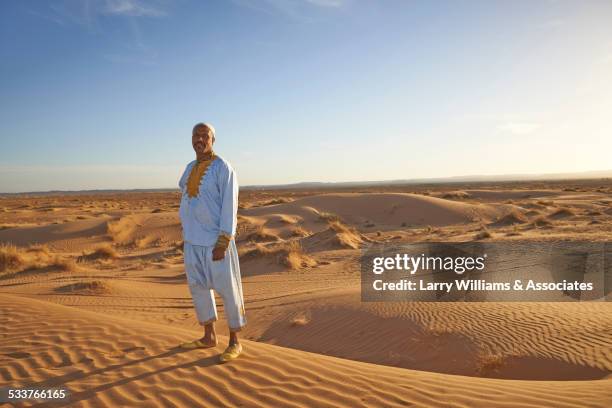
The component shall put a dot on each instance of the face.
(202, 140)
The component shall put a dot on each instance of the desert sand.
(94, 298)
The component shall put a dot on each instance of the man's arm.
(228, 184)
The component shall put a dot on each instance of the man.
(208, 213)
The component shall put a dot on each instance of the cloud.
(86, 12)
(297, 9)
(519, 128)
(327, 3)
(132, 8)
(132, 46)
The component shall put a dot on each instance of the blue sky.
(103, 94)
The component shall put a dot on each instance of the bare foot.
(200, 343)
(210, 342)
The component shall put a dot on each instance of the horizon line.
(475, 178)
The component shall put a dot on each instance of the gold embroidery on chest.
(197, 173)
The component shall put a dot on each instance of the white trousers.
(205, 275)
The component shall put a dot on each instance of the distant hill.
(602, 174)
(444, 180)
(81, 192)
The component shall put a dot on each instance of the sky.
(103, 94)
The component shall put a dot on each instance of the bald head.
(202, 126)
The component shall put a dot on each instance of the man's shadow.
(61, 381)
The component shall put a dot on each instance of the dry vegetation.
(286, 219)
(456, 195)
(329, 217)
(102, 252)
(10, 258)
(562, 213)
(512, 218)
(290, 254)
(122, 230)
(146, 241)
(281, 200)
(263, 234)
(345, 236)
(541, 221)
(489, 363)
(300, 319)
(14, 259)
(97, 287)
(301, 232)
(483, 234)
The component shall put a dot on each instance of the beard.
(201, 148)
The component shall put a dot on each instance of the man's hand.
(218, 253)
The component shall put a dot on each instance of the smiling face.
(202, 140)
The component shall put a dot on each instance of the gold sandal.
(196, 344)
(231, 353)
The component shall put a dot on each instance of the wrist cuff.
(223, 240)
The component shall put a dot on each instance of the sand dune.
(390, 210)
(464, 338)
(100, 308)
(60, 235)
(80, 235)
(503, 195)
(135, 363)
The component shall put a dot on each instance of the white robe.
(214, 209)
(204, 217)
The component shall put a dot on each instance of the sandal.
(231, 353)
(196, 344)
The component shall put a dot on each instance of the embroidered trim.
(198, 171)
(223, 240)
